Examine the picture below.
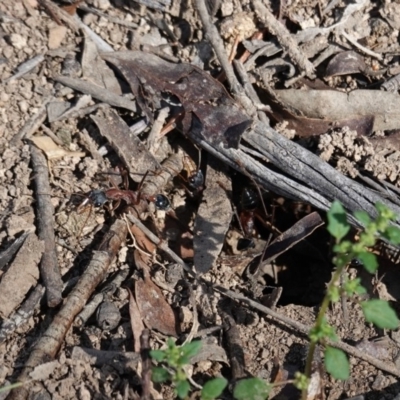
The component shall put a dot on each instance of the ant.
(99, 198)
(195, 176)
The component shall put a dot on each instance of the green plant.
(174, 358)
(375, 311)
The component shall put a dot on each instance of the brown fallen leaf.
(155, 311)
(208, 110)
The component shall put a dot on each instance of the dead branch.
(97, 92)
(49, 268)
(48, 345)
(298, 326)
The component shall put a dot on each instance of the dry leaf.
(51, 149)
(155, 311)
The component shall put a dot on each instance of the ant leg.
(141, 182)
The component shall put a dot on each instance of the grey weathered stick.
(48, 345)
(384, 366)
(49, 269)
(97, 92)
(284, 37)
(218, 45)
(22, 315)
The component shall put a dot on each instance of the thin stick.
(48, 345)
(284, 37)
(384, 366)
(49, 268)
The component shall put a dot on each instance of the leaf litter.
(330, 100)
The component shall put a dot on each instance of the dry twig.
(49, 268)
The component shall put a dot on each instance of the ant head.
(98, 198)
(162, 202)
(196, 180)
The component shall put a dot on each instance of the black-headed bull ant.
(115, 196)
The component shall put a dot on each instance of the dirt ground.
(99, 355)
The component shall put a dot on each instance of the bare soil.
(98, 358)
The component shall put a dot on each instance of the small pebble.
(17, 41)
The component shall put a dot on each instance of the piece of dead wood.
(95, 69)
(49, 269)
(304, 176)
(22, 315)
(21, 276)
(335, 105)
(213, 217)
(58, 14)
(129, 148)
(285, 241)
(208, 110)
(48, 345)
(7, 255)
(146, 365)
(97, 92)
(284, 37)
(91, 307)
(304, 329)
(306, 126)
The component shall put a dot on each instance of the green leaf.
(393, 234)
(182, 389)
(158, 355)
(336, 363)
(385, 212)
(251, 389)
(159, 374)
(337, 221)
(380, 314)
(189, 350)
(363, 217)
(368, 260)
(213, 388)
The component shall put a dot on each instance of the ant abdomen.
(249, 199)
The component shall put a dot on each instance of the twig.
(48, 345)
(49, 268)
(284, 37)
(153, 140)
(7, 254)
(146, 365)
(384, 366)
(360, 47)
(218, 45)
(163, 246)
(25, 67)
(91, 307)
(97, 92)
(33, 123)
(50, 134)
(58, 14)
(23, 314)
(114, 20)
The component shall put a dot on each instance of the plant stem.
(318, 323)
